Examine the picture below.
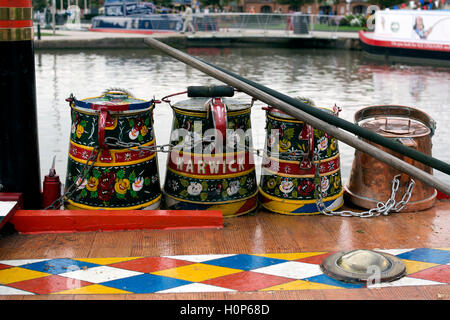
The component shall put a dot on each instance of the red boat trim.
(16, 23)
(403, 44)
(16, 3)
(69, 221)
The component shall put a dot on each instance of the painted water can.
(297, 157)
(111, 160)
(211, 166)
(371, 180)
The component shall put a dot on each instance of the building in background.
(339, 7)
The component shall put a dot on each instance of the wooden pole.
(299, 114)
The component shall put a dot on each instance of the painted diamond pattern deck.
(202, 273)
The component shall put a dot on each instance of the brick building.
(340, 7)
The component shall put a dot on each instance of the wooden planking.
(260, 233)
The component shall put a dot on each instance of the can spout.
(52, 171)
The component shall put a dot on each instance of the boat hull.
(391, 48)
(138, 24)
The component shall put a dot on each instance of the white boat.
(410, 34)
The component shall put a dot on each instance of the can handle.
(219, 115)
(306, 162)
(105, 156)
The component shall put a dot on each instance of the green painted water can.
(298, 157)
(111, 163)
(202, 176)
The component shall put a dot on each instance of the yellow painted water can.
(290, 173)
(200, 174)
(103, 172)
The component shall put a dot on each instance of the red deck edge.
(69, 221)
(402, 44)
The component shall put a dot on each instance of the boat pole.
(301, 115)
(346, 125)
(19, 150)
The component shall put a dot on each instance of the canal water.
(345, 78)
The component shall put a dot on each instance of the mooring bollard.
(19, 155)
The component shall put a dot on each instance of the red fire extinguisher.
(51, 188)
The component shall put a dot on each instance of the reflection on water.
(327, 76)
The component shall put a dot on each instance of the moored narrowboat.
(135, 17)
(409, 34)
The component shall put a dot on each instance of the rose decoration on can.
(233, 188)
(323, 144)
(81, 184)
(80, 131)
(286, 186)
(133, 134)
(324, 184)
(92, 184)
(106, 185)
(122, 186)
(138, 184)
(194, 189)
(305, 187)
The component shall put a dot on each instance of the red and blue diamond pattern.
(203, 273)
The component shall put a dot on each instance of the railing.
(269, 22)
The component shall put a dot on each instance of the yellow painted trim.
(210, 203)
(203, 114)
(16, 34)
(16, 14)
(297, 162)
(300, 176)
(211, 177)
(299, 202)
(240, 213)
(83, 206)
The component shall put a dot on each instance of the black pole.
(346, 125)
(19, 150)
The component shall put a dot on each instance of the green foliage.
(39, 5)
(295, 3)
(386, 3)
(357, 20)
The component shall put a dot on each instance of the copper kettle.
(371, 180)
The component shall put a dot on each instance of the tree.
(386, 3)
(295, 3)
(214, 3)
(39, 5)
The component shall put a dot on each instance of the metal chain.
(81, 177)
(382, 208)
(128, 145)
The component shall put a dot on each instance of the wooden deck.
(257, 233)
